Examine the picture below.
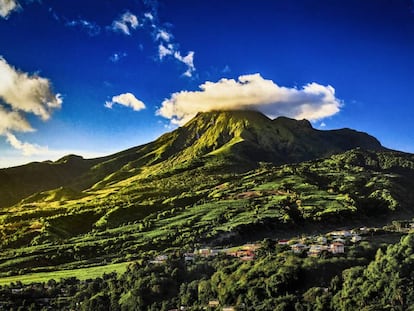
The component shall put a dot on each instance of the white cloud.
(252, 92)
(13, 121)
(167, 47)
(171, 50)
(30, 94)
(149, 16)
(116, 57)
(188, 61)
(14, 157)
(127, 100)
(22, 94)
(8, 6)
(26, 148)
(163, 35)
(164, 51)
(92, 28)
(125, 23)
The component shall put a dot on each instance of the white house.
(337, 248)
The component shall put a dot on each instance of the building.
(160, 259)
(337, 248)
(341, 233)
(316, 250)
(321, 240)
(356, 238)
(243, 254)
(298, 248)
(213, 303)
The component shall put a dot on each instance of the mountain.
(223, 178)
(237, 140)
(252, 137)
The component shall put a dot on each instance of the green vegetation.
(81, 274)
(216, 181)
(276, 280)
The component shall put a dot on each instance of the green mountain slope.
(16, 183)
(223, 179)
(236, 140)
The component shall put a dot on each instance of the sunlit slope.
(228, 140)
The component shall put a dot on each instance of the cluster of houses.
(212, 304)
(245, 252)
(334, 242)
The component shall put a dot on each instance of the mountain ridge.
(237, 139)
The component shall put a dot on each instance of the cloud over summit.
(252, 92)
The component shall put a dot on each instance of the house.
(229, 308)
(243, 254)
(203, 252)
(337, 248)
(251, 247)
(160, 259)
(207, 252)
(341, 233)
(213, 303)
(283, 242)
(356, 238)
(246, 255)
(17, 290)
(234, 254)
(298, 248)
(321, 240)
(316, 250)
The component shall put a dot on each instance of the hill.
(229, 140)
(223, 179)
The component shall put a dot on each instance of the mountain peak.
(252, 136)
(249, 116)
(226, 115)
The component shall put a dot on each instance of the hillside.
(232, 141)
(223, 179)
(64, 228)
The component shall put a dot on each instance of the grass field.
(81, 274)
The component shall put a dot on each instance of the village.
(334, 242)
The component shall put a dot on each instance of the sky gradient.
(96, 77)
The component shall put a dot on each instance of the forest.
(369, 277)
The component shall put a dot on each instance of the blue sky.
(96, 77)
